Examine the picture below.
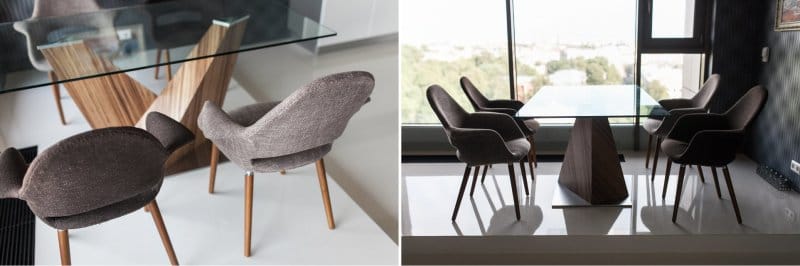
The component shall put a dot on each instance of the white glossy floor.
(430, 192)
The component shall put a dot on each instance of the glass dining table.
(591, 169)
(90, 53)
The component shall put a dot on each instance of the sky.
(476, 22)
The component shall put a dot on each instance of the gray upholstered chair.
(482, 104)
(677, 108)
(480, 138)
(95, 176)
(712, 140)
(39, 32)
(268, 137)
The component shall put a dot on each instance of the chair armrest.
(216, 124)
(674, 115)
(12, 172)
(169, 132)
(502, 123)
(510, 104)
(479, 146)
(714, 147)
(670, 104)
(687, 126)
(507, 111)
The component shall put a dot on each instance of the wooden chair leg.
(532, 153)
(655, 157)
(212, 173)
(649, 148)
(678, 192)
(700, 173)
(514, 188)
(727, 174)
(282, 171)
(169, 66)
(162, 231)
(475, 171)
(57, 95)
(666, 178)
(63, 246)
(158, 61)
(485, 168)
(326, 198)
(461, 192)
(248, 211)
(524, 177)
(716, 181)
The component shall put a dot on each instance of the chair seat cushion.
(674, 148)
(275, 164)
(532, 125)
(247, 115)
(650, 125)
(519, 147)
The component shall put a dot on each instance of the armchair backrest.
(476, 98)
(56, 8)
(746, 108)
(92, 170)
(449, 112)
(703, 97)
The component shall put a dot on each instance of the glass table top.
(132, 37)
(620, 101)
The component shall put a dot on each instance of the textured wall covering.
(776, 134)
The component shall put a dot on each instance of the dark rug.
(17, 227)
(542, 158)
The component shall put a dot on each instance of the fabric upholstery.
(479, 138)
(12, 171)
(302, 125)
(169, 132)
(679, 107)
(510, 107)
(105, 213)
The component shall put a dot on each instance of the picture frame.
(787, 16)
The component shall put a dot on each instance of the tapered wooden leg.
(524, 177)
(212, 173)
(727, 174)
(248, 211)
(533, 152)
(700, 172)
(716, 181)
(63, 246)
(475, 171)
(158, 61)
(169, 66)
(678, 192)
(666, 178)
(655, 157)
(57, 95)
(649, 148)
(283, 171)
(461, 193)
(162, 231)
(326, 198)
(485, 168)
(514, 188)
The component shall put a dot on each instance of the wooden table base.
(591, 167)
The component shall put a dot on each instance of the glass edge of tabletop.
(651, 108)
(310, 30)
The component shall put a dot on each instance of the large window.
(443, 40)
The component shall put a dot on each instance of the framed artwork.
(788, 15)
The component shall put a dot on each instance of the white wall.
(358, 19)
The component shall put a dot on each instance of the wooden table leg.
(591, 167)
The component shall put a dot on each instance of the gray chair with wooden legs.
(712, 140)
(677, 107)
(268, 137)
(43, 31)
(529, 127)
(480, 138)
(96, 176)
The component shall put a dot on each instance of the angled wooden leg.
(681, 174)
(282, 171)
(727, 174)
(461, 192)
(716, 181)
(162, 231)
(514, 188)
(485, 168)
(212, 173)
(700, 172)
(326, 198)
(169, 66)
(655, 157)
(533, 152)
(57, 95)
(158, 61)
(524, 177)
(474, 180)
(649, 148)
(248, 211)
(63, 246)
(666, 178)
